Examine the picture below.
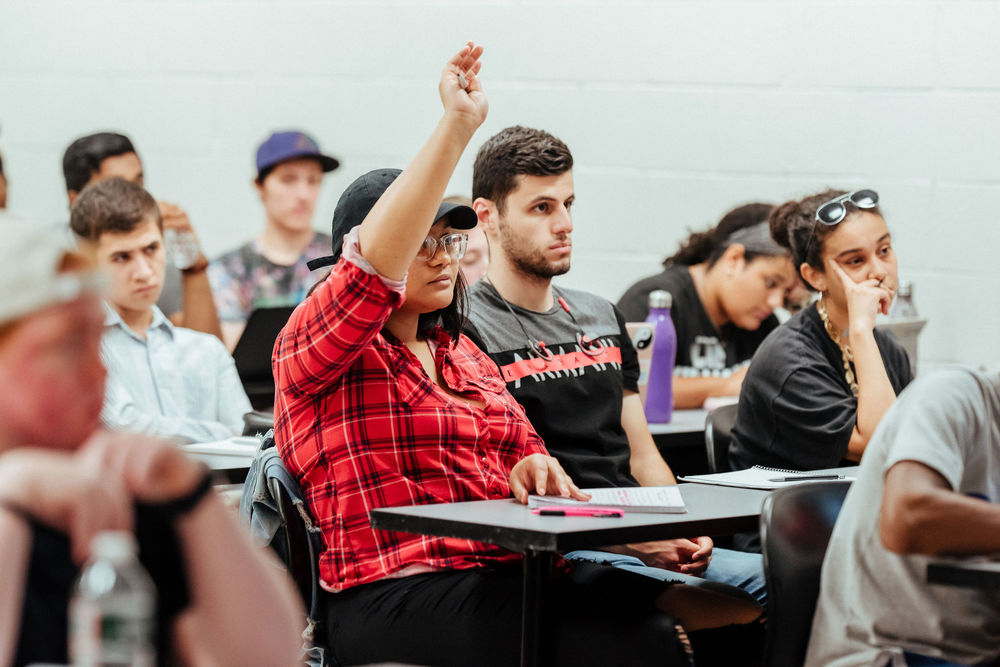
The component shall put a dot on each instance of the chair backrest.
(795, 527)
(718, 426)
(298, 543)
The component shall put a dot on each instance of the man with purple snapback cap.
(270, 270)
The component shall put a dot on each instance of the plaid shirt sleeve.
(331, 327)
(361, 425)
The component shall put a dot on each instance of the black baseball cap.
(359, 198)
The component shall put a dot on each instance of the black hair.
(84, 156)
(794, 226)
(709, 245)
(452, 317)
(513, 152)
(112, 205)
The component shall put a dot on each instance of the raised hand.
(544, 476)
(865, 299)
(461, 89)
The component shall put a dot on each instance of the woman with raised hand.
(380, 401)
(725, 283)
(820, 384)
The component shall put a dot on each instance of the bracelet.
(178, 507)
(199, 266)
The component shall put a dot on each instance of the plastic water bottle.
(112, 613)
(660, 390)
(902, 307)
(182, 248)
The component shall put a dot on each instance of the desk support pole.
(537, 569)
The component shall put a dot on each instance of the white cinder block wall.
(676, 111)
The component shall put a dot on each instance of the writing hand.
(542, 475)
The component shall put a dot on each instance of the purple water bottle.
(660, 390)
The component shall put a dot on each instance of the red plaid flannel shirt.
(361, 425)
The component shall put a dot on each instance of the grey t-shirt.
(874, 603)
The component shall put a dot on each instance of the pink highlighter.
(565, 510)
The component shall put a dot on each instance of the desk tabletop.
(682, 421)
(711, 510)
(233, 454)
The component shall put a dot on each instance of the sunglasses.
(453, 244)
(835, 210)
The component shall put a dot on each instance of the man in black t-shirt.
(566, 355)
(62, 482)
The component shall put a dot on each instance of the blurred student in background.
(162, 379)
(476, 259)
(186, 295)
(820, 384)
(726, 283)
(271, 270)
(62, 482)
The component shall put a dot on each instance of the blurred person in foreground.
(928, 486)
(62, 481)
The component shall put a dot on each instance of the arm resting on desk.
(921, 514)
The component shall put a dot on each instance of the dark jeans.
(595, 615)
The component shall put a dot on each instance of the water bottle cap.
(114, 545)
(905, 288)
(660, 299)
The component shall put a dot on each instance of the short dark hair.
(513, 152)
(112, 205)
(84, 156)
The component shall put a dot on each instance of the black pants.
(595, 615)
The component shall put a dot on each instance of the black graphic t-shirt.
(702, 350)
(574, 399)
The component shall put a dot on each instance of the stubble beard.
(528, 261)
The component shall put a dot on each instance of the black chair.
(795, 527)
(258, 422)
(296, 540)
(718, 426)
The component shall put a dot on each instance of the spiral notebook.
(762, 477)
(647, 499)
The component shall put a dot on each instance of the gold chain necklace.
(845, 350)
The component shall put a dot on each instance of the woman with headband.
(725, 283)
(820, 384)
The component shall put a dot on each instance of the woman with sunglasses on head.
(726, 283)
(820, 384)
(381, 402)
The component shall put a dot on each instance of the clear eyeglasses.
(453, 244)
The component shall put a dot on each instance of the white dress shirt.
(177, 383)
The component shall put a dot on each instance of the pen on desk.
(805, 478)
(599, 512)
